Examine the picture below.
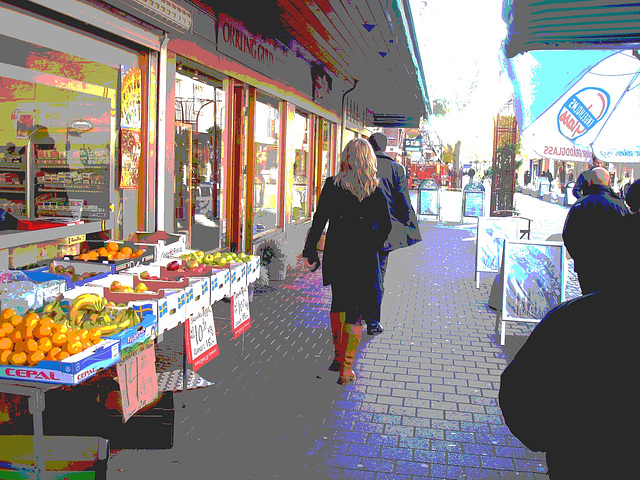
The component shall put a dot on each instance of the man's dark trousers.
(371, 311)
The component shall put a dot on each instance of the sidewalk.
(425, 403)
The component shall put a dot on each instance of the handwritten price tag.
(240, 314)
(138, 379)
(200, 335)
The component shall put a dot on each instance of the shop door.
(183, 183)
(198, 146)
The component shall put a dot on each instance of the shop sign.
(412, 144)
(138, 379)
(74, 239)
(240, 314)
(235, 41)
(200, 338)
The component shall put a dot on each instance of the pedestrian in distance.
(594, 223)
(392, 181)
(359, 223)
(582, 183)
(570, 392)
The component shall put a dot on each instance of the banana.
(85, 301)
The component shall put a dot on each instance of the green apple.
(208, 259)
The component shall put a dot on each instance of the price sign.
(138, 379)
(240, 315)
(200, 335)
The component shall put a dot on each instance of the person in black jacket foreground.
(392, 181)
(359, 224)
(571, 389)
(593, 223)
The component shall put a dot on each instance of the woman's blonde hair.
(358, 167)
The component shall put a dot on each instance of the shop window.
(267, 178)
(199, 119)
(301, 167)
(327, 147)
(57, 131)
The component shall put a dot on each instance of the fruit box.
(131, 337)
(220, 286)
(160, 284)
(80, 268)
(117, 266)
(198, 294)
(171, 310)
(71, 370)
(182, 272)
(121, 297)
(237, 277)
(167, 245)
(253, 269)
(49, 285)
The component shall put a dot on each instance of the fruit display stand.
(166, 245)
(198, 293)
(220, 284)
(74, 273)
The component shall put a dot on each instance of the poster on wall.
(131, 98)
(130, 149)
(24, 124)
(534, 279)
(492, 232)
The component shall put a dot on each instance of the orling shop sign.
(235, 41)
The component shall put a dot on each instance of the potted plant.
(275, 257)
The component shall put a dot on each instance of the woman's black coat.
(357, 230)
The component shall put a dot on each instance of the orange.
(127, 251)
(45, 344)
(31, 345)
(6, 314)
(84, 257)
(63, 355)
(53, 353)
(18, 358)
(119, 256)
(31, 319)
(17, 335)
(4, 356)
(86, 344)
(103, 252)
(93, 255)
(16, 320)
(8, 327)
(59, 339)
(42, 331)
(112, 246)
(35, 357)
(74, 347)
(6, 344)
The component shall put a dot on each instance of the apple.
(145, 275)
(172, 266)
(115, 286)
(127, 289)
(141, 288)
(192, 264)
(208, 259)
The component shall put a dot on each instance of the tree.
(440, 107)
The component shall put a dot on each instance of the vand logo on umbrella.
(582, 111)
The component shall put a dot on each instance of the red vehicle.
(419, 171)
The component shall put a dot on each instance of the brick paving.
(425, 403)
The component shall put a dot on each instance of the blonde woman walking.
(359, 224)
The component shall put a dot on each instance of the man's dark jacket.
(393, 184)
(593, 226)
(571, 389)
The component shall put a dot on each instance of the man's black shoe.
(374, 329)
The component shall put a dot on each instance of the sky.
(460, 43)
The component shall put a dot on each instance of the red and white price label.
(240, 314)
(200, 336)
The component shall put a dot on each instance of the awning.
(571, 24)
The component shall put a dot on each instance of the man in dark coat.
(582, 183)
(594, 222)
(570, 392)
(404, 224)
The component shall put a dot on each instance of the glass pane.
(299, 208)
(265, 203)
(327, 142)
(56, 134)
(199, 105)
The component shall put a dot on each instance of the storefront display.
(301, 167)
(267, 177)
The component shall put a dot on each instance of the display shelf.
(12, 166)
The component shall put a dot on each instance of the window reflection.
(267, 180)
(299, 208)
